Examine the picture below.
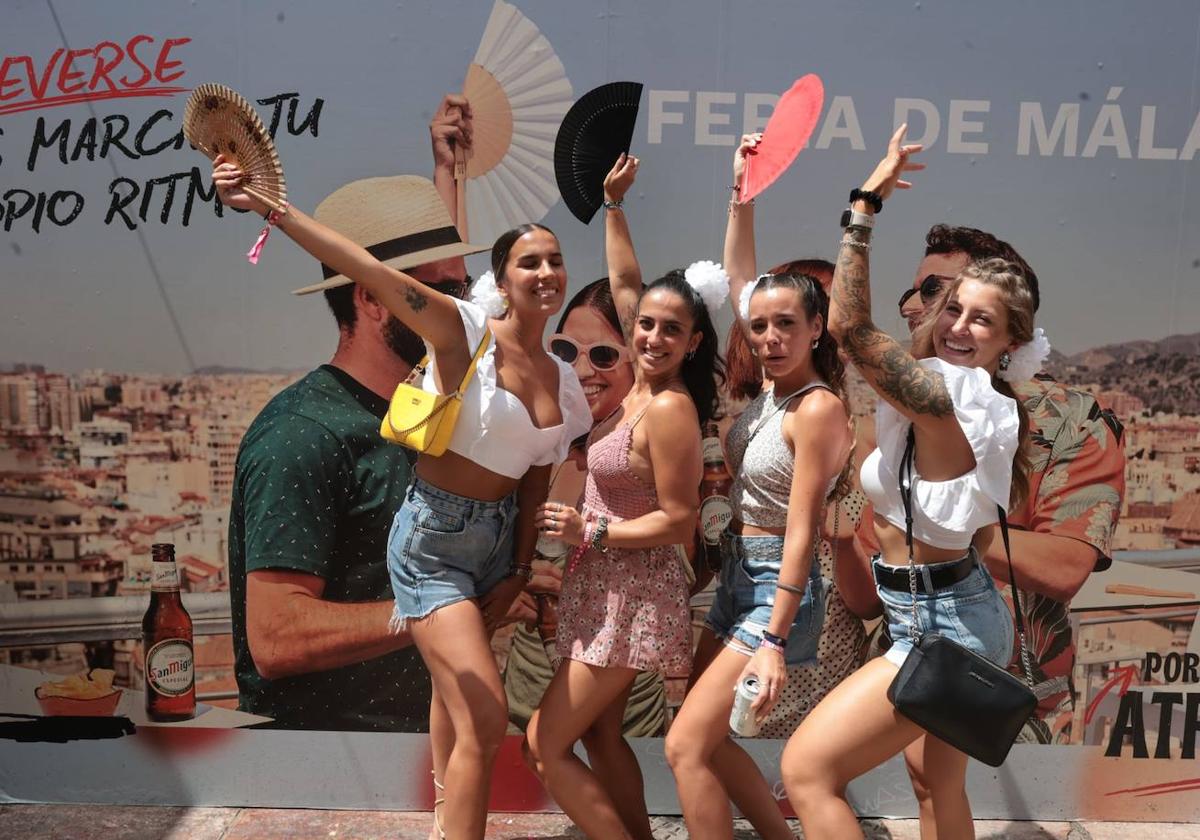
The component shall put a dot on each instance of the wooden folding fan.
(218, 120)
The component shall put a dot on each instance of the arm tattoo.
(889, 367)
(415, 300)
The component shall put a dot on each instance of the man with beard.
(316, 486)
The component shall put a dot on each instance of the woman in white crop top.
(462, 542)
(787, 452)
(969, 432)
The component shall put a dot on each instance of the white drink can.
(741, 718)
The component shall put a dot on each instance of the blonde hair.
(1018, 302)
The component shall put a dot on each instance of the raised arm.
(740, 259)
(918, 394)
(425, 311)
(624, 273)
(449, 129)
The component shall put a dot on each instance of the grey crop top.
(761, 462)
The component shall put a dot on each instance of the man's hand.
(450, 127)
(495, 605)
(546, 580)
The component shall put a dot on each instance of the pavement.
(125, 822)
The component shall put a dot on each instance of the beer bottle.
(715, 511)
(167, 643)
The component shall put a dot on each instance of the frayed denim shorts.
(444, 548)
(745, 596)
(971, 612)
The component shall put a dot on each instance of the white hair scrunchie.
(747, 293)
(485, 294)
(709, 280)
(1027, 359)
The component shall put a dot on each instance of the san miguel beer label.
(164, 577)
(170, 667)
(715, 513)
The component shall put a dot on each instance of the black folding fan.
(593, 134)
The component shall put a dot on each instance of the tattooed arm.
(428, 313)
(624, 273)
(917, 393)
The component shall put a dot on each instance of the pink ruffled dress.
(626, 607)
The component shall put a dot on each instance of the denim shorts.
(445, 548)
(971, 612)
(745, 596)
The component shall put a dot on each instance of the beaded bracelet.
(778, 641)
(764, 642)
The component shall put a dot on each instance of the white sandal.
(437, 802)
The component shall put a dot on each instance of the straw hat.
(401, 220)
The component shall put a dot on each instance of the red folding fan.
(787, 131)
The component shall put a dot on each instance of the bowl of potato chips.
(81, 695)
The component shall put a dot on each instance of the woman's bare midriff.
(741, 529)
(463, 477)
(895, 551)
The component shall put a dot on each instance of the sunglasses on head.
(602, 355)
(928, 289)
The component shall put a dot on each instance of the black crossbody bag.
(950, 691)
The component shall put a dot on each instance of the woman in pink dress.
(624, 607)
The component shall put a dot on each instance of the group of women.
(463, 541)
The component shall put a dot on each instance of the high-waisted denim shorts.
(445, 548)
(746, 593)
(971, 612)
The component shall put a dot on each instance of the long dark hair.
(744, 375)
(826, 360)
(703, 372)
(813, 299)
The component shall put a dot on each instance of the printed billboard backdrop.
(139, 344)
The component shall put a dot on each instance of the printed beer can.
(741, 718)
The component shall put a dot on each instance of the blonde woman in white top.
(950, 395)
(462, 543)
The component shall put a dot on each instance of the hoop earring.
(1005, 360)
(691, 354)
(816, 341)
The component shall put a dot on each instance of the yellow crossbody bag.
(423, 421)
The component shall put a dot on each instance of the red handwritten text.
(141, 67)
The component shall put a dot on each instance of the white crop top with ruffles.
(494, 428)
(946, 514)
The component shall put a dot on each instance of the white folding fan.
(519, 94)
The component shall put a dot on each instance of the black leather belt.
(929, 579)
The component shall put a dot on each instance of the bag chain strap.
(457, 395)
(425, 421)
(906, 471)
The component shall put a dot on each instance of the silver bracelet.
(855, 243)
(612, 205)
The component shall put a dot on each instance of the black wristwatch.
(872, 198)
(852, 218)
